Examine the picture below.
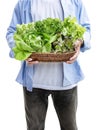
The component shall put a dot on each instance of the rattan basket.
(52, 57)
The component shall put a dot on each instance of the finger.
(74, 57)
(30, 61)
(70, 61)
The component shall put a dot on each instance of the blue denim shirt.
(22, 14)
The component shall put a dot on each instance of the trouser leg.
(36, 103)
(65, 103)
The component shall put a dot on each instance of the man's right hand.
(30, 61)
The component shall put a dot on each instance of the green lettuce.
(46, 36)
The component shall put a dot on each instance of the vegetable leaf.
(47, 35)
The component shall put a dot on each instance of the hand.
(77, 46)
(30, 61)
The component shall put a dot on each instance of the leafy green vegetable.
(48, 35)
(49, 26)
(72, 29)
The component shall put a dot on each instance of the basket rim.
(53, 53)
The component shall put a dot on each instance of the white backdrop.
(12, 115)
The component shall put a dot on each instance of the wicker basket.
(52, 57)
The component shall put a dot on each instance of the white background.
(12, 115)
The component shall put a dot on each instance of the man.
(60, 79)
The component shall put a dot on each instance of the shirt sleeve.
(16, 19)
(85, 22)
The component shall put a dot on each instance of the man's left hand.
(77, 46)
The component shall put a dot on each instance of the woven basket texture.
(52, 57)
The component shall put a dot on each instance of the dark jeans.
(36, 103)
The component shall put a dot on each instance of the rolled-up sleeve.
(85, 22)
(16, 19)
